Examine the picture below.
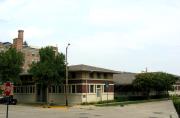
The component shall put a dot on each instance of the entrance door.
(41, 94)
(98, 93)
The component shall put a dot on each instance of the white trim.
(90, 79)
(90, 83)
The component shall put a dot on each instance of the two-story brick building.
(85, 84)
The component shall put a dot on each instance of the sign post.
(8, 88)
(107, 90)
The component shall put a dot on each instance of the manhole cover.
(158, 112)
(83, 113)
(97, 115)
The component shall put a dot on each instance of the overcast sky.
(124, 35)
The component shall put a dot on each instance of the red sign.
(8, 88)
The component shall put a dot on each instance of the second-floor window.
(73, 75)
(98, 75)
(91, 75)
(105, 75)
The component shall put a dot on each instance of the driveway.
(160, 109)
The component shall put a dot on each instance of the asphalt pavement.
(160, 109)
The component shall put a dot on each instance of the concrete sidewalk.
(160, 109)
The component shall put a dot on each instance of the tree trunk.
(47, 92)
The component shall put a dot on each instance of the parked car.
(10, 100)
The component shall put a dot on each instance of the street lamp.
(67, 75)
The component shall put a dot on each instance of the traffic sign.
(106, 84)
(8, 89)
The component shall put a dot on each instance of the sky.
(122, 35)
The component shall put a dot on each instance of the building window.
(33, 54)
(73, 89)
(21, 90)
(79, 88)
(105, 88)
(59, 89)
(98, 75)
(91, 75)
(24, 89)
(53, 89)
(73, 74)
(69, 88)
(15, 90)
(91, 90)
(49, 89)
(18, 89)
(31, 89)
(105, 75)
(98, 86)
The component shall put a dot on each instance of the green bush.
(176, 101)
(135, 98)
(121, 99)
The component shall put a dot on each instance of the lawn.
(114, 103)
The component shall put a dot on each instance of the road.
(161, 109)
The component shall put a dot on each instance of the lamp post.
(67, 75)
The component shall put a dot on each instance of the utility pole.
(67, 75)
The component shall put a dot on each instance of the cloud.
(141, 24)
(108, 41)
(37, 11)
(124, 34)
(113, 16)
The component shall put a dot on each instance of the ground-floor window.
(98, 86)
(91, 89)
(24, 89)
(72, 88)
(56, 89)
(61, 89)
(105, 88)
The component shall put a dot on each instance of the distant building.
(176, 87)
(31, 53)
(123, 84)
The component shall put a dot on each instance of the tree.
(25, 44)
(158, 81)
(11, 62)
(144, 83)
(50, 69)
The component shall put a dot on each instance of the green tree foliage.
(158, 81)
(50, 69)
(11, 62)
